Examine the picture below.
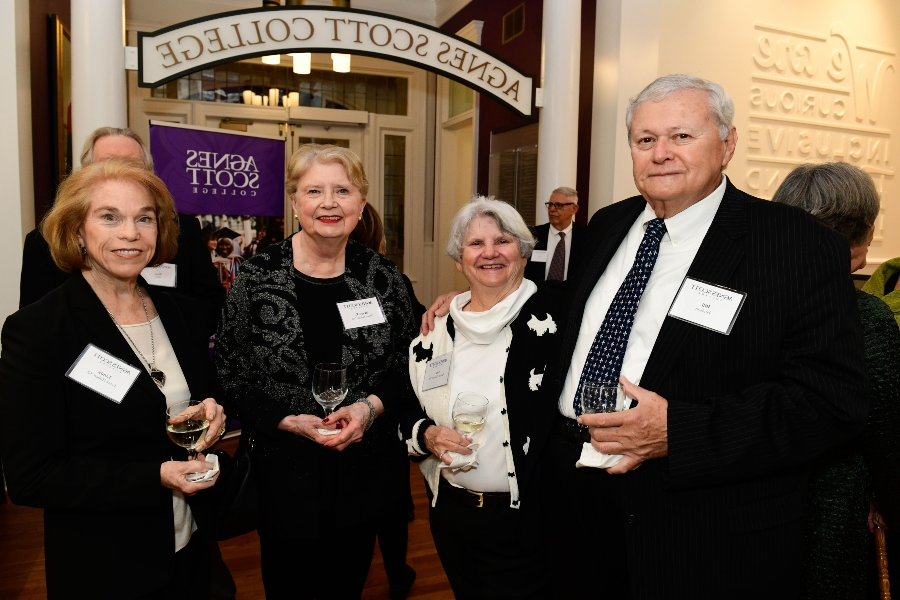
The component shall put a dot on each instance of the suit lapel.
(719, 255)
(102, 331)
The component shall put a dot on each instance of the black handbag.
(238, 507)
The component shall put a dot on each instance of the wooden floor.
(22, 556)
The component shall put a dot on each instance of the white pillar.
(626, 60)
(16, 168)
(558, 128)
(98, 68)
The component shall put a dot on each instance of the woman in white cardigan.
(496, 342)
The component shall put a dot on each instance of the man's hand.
(639, 434)
(438, 308)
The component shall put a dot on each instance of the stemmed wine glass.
(329, 388)
(469, 413)
(186, 424)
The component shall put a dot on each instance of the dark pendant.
(158, 377)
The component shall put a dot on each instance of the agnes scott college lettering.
(212, 173)
(219, 172)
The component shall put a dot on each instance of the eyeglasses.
(558, 205)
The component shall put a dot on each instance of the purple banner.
(216, 172)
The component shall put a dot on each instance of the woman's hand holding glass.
(193, 425)
(349, 422)
(442, 440)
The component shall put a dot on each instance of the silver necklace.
(159, 378)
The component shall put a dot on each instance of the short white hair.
(567, 192)
(508, 220)
(721, 106)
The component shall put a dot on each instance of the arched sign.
(188, 47)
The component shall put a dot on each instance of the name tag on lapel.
(361, 313)
(538, 256)
(101, 372)
(165, 275)
(707, 305)
(437, 372)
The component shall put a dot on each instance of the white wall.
(15, 149)
(812, 81)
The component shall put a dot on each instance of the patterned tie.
(604, 361)
(558, 264)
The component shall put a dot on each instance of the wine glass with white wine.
(329, 388)
(186, 424)
(469, 413)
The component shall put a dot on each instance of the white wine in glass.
(329, 388)
(469, 413)
(186, 425)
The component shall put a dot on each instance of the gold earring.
(296, 218)
(360, 217)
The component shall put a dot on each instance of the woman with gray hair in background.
(495, 343)
(844, 198)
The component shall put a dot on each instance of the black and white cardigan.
(528, 412)
(261, 360)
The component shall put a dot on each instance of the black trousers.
(190, 574)
(581, 555)
(491, 552)
(333, 566)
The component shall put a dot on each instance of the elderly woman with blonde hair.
(315, 299)
(482, 467)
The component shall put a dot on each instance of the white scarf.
(484, 327)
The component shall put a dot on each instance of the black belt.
(570, 430)
(472, 498)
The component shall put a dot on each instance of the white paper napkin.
(590, 457)
(463, 462)
(211, 459)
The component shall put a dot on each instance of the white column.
(17, 202)
(626, 60)
(99, 93)
(558, 128)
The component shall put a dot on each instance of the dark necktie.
(558, 264)
(604, 361)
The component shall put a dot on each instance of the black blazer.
(196, 275)
(92, 464)
(536, 271)
(747, 412)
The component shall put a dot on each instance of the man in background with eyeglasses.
(560, 243)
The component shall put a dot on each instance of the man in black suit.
(560, 243)
(195, 274)
(731, 321)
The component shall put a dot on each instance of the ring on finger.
(441, 455)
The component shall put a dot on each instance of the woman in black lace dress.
(320, 494)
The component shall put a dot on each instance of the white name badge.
(165, 275)
(437, 372)
(361, 313)
(707, 305)
(538, 256)
(103, 373)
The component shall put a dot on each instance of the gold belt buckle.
(480, 497)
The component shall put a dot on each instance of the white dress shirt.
(552, 242)
(684, 234)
